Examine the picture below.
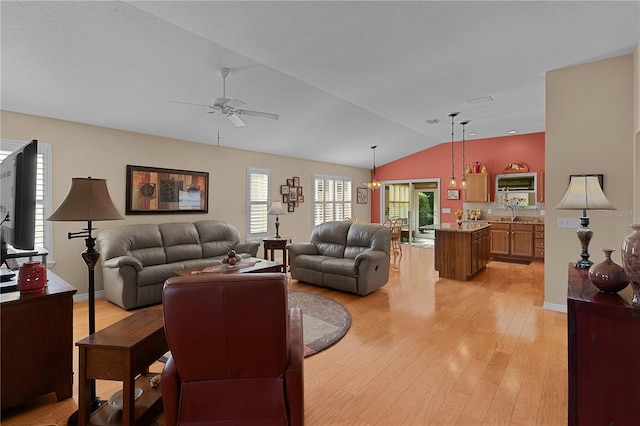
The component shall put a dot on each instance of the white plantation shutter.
(43, 192)
(258, 190)
(398, 196)
(331, 198)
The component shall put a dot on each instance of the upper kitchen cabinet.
(477, 188)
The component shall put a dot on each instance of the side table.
(271, 244)
(121, 352)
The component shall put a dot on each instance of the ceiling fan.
(229, 107)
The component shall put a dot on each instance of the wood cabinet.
(512, 240)
(538, 242)
(603, 349)
(477, 188)
(37, 343)
(461, 253)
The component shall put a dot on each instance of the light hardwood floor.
(420, 351)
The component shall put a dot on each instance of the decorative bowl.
(116, 399)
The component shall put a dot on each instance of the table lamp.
(88, 200)
(276, 209)
(584, 194)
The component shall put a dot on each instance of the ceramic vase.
(631, 260)
(607, 275)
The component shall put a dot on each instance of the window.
(398, 197)
(331, 198)
(43, 189)
(258, 203)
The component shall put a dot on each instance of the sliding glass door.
(417, 203)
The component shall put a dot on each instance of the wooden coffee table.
(261, 265)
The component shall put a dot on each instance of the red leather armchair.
(236, 351)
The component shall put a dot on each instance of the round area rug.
(324, 321)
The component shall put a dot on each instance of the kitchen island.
(462, 251)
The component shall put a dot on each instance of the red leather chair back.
(229, 340)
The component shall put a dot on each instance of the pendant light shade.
(452, 183)
(374, 184)
(463, 184)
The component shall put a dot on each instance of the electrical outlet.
(488, 211)
(568, 222)
(541, 212)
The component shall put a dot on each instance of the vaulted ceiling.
(342, 75)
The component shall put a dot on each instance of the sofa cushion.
(311, 261)
(181, 241)
(364, 237)
(337, 266)
(331, 238)
(155, 274)
(216, 237)
(144, 242)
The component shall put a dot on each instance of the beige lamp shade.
(276, 209)
(87, 200)
(584, 193)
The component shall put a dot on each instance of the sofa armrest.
(373, 271)
(250, 247)
(120, 261)
(296, 249)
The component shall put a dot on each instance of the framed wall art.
(453, 194)
(153, 190)
(362, 195)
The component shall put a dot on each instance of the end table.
(271, 244)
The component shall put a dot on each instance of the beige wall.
(80, 150)
(589, 129)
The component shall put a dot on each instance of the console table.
(603, 348)
(123, 351)
(37, 342)
(272, 244)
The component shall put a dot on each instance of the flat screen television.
(18, 176)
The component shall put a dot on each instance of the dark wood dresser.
(604, 354)
(37, 342)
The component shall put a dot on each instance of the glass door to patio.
(417, 203)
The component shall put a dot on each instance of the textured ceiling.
(342, 75)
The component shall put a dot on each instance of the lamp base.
(582, 264)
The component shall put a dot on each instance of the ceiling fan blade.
(190, 103)
(233, 103)
(235, 120)
(257, 114)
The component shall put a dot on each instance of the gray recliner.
(351, 257)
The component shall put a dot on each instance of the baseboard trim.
(85, 296)
(554, 307)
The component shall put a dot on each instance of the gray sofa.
(351, 257)
(137, 259)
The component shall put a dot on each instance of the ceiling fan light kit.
(229, 107)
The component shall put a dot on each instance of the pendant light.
(463, 184)
(374, 184)
(452, 182)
